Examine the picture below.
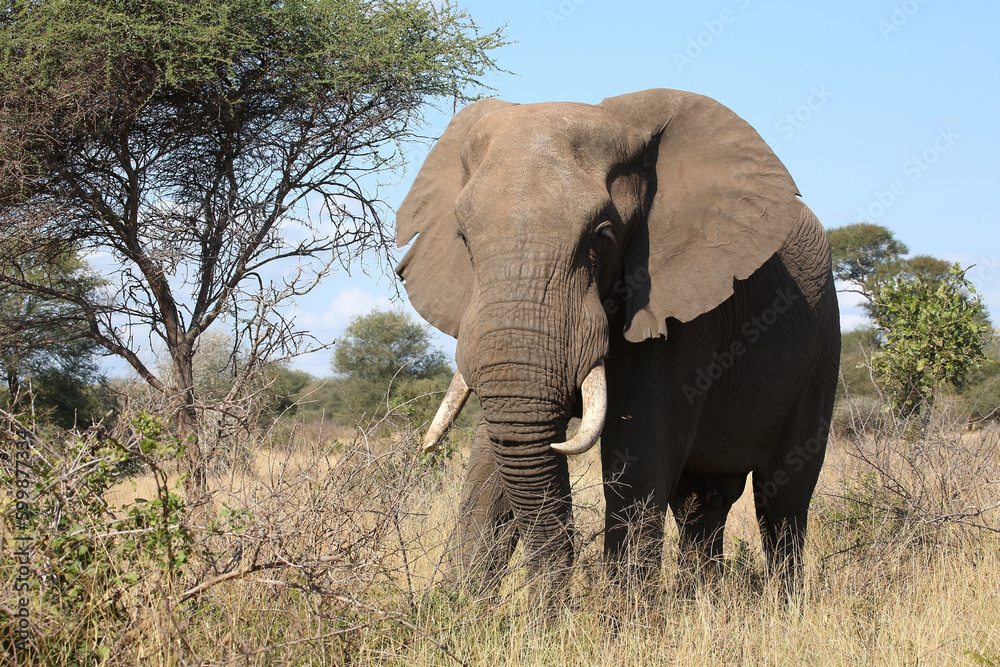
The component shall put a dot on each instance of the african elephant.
(646, 264)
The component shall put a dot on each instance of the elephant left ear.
(723, 205)
(436, 270)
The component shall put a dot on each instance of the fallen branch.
(239, 574)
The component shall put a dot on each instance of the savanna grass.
(331, 548)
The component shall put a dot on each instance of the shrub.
(91, 564)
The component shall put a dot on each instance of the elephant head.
(542, 230)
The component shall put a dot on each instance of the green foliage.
(856, 349)
(931, 337)
(181, 52)
(985, 657)
(44, 346)
(88, 556)
(867, 256)
(866, 512)
(744, 566)
(924, 267)
(286, 384)
(385, 344)
(390, 368)
(195, 82)
(929, 328)
(860, 252)
(979, 399)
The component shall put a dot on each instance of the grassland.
(327, 547)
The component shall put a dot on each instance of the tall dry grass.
(331, 548)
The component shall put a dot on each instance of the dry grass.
(326, 552)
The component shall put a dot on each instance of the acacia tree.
(862, 253)
(214, 152)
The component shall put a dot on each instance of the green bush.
(933, 334)
(90, 564)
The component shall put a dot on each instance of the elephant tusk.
(595, 409)
(452, 404)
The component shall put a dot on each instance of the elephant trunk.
(526, 347)
(535, 478)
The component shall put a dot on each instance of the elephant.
(645, 264)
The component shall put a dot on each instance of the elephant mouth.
(595, 409)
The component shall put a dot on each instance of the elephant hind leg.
(784, 487)
(700, 504)
(782, 519)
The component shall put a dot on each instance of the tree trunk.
(926, 407)
(195, 464)
(195, 461)
(13, 385)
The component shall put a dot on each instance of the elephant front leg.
(700, 505)
(486, 536)
(635, 513)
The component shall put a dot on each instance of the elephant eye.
(605, 231)
(461, 237)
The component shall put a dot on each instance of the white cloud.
(849, 321)
(348, 303)
(852, 315)
(328, 324)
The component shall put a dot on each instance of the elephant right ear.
(723, 205)
(437, 271)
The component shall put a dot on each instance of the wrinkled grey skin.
(658, 232)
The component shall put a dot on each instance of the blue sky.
(881, 110)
